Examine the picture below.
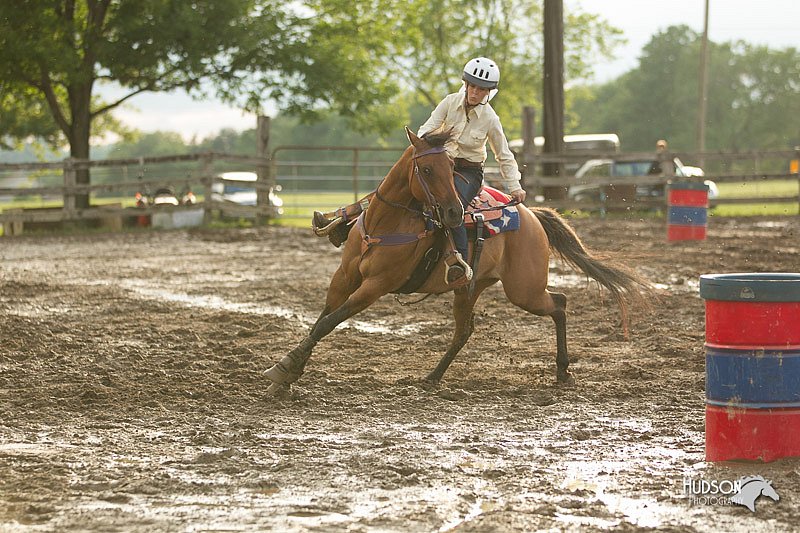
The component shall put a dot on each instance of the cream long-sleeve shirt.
(470, 134)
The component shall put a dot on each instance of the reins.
(415, 212)
(494, 208)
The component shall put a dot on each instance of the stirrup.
(322, 226)
(458, 274)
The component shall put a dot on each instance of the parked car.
(609, 168)
(230, 189)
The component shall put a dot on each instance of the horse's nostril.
(455, 215)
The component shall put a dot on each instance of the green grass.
(38, 203)
(754, 189)
(299, 206)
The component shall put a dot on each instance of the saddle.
(497, 216)
(486, 215)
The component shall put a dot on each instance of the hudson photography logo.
(744, 491)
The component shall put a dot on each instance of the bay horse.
(394, 234)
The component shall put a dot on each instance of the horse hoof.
(278, 374)
(566, 379)
(430, 383)
(281, 391)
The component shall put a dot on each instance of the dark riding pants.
(466, 192)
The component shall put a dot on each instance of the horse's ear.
(413, 139)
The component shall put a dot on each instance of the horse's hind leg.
(462, 311)
(559, 316)
(554, 305)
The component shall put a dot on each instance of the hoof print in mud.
(428, 385)
(452, 395)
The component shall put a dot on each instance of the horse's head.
(769, 491)
(431, 179)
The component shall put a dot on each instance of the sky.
(775, 23)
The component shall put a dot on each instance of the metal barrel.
(687, 211)
(752, 365)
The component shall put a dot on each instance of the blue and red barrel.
(752, 365)
(687, 211)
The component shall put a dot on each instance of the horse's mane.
(745, 480)
(437, 139)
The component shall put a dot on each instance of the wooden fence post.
(264, 170)
(528, 144)
(70, 178)
(208, 181)
(797, 158)
(355, 174)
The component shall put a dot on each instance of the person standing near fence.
(663, 164)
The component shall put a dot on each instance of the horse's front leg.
(462, 311)
(343, 283)
(291, 366)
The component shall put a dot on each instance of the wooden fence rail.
(201, 175)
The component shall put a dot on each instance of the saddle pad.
(496, 220)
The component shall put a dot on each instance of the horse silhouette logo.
(750, 488)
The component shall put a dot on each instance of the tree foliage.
(54, 52)
(753, 93)
(371, 61)
(440, 36)
(150, 145)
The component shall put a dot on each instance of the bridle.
(435, 215)
(432, 215)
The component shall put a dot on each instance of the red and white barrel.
(752, 365)
(687, 211)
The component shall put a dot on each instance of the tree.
(764, 101)
(54, 52)
(441, 35)
(753, 93)
(150, 145)
(22, 115)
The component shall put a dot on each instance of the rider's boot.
(458, 273)
(334, 224)
(336, 231)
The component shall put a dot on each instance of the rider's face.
(475, 94)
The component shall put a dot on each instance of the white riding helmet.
(482, 72)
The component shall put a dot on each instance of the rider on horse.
(472, 122)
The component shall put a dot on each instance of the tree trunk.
(81, 129)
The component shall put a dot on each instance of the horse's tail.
(623, 283)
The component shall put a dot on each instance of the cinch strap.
(392, 239)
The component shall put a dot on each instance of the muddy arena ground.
(133, 398)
